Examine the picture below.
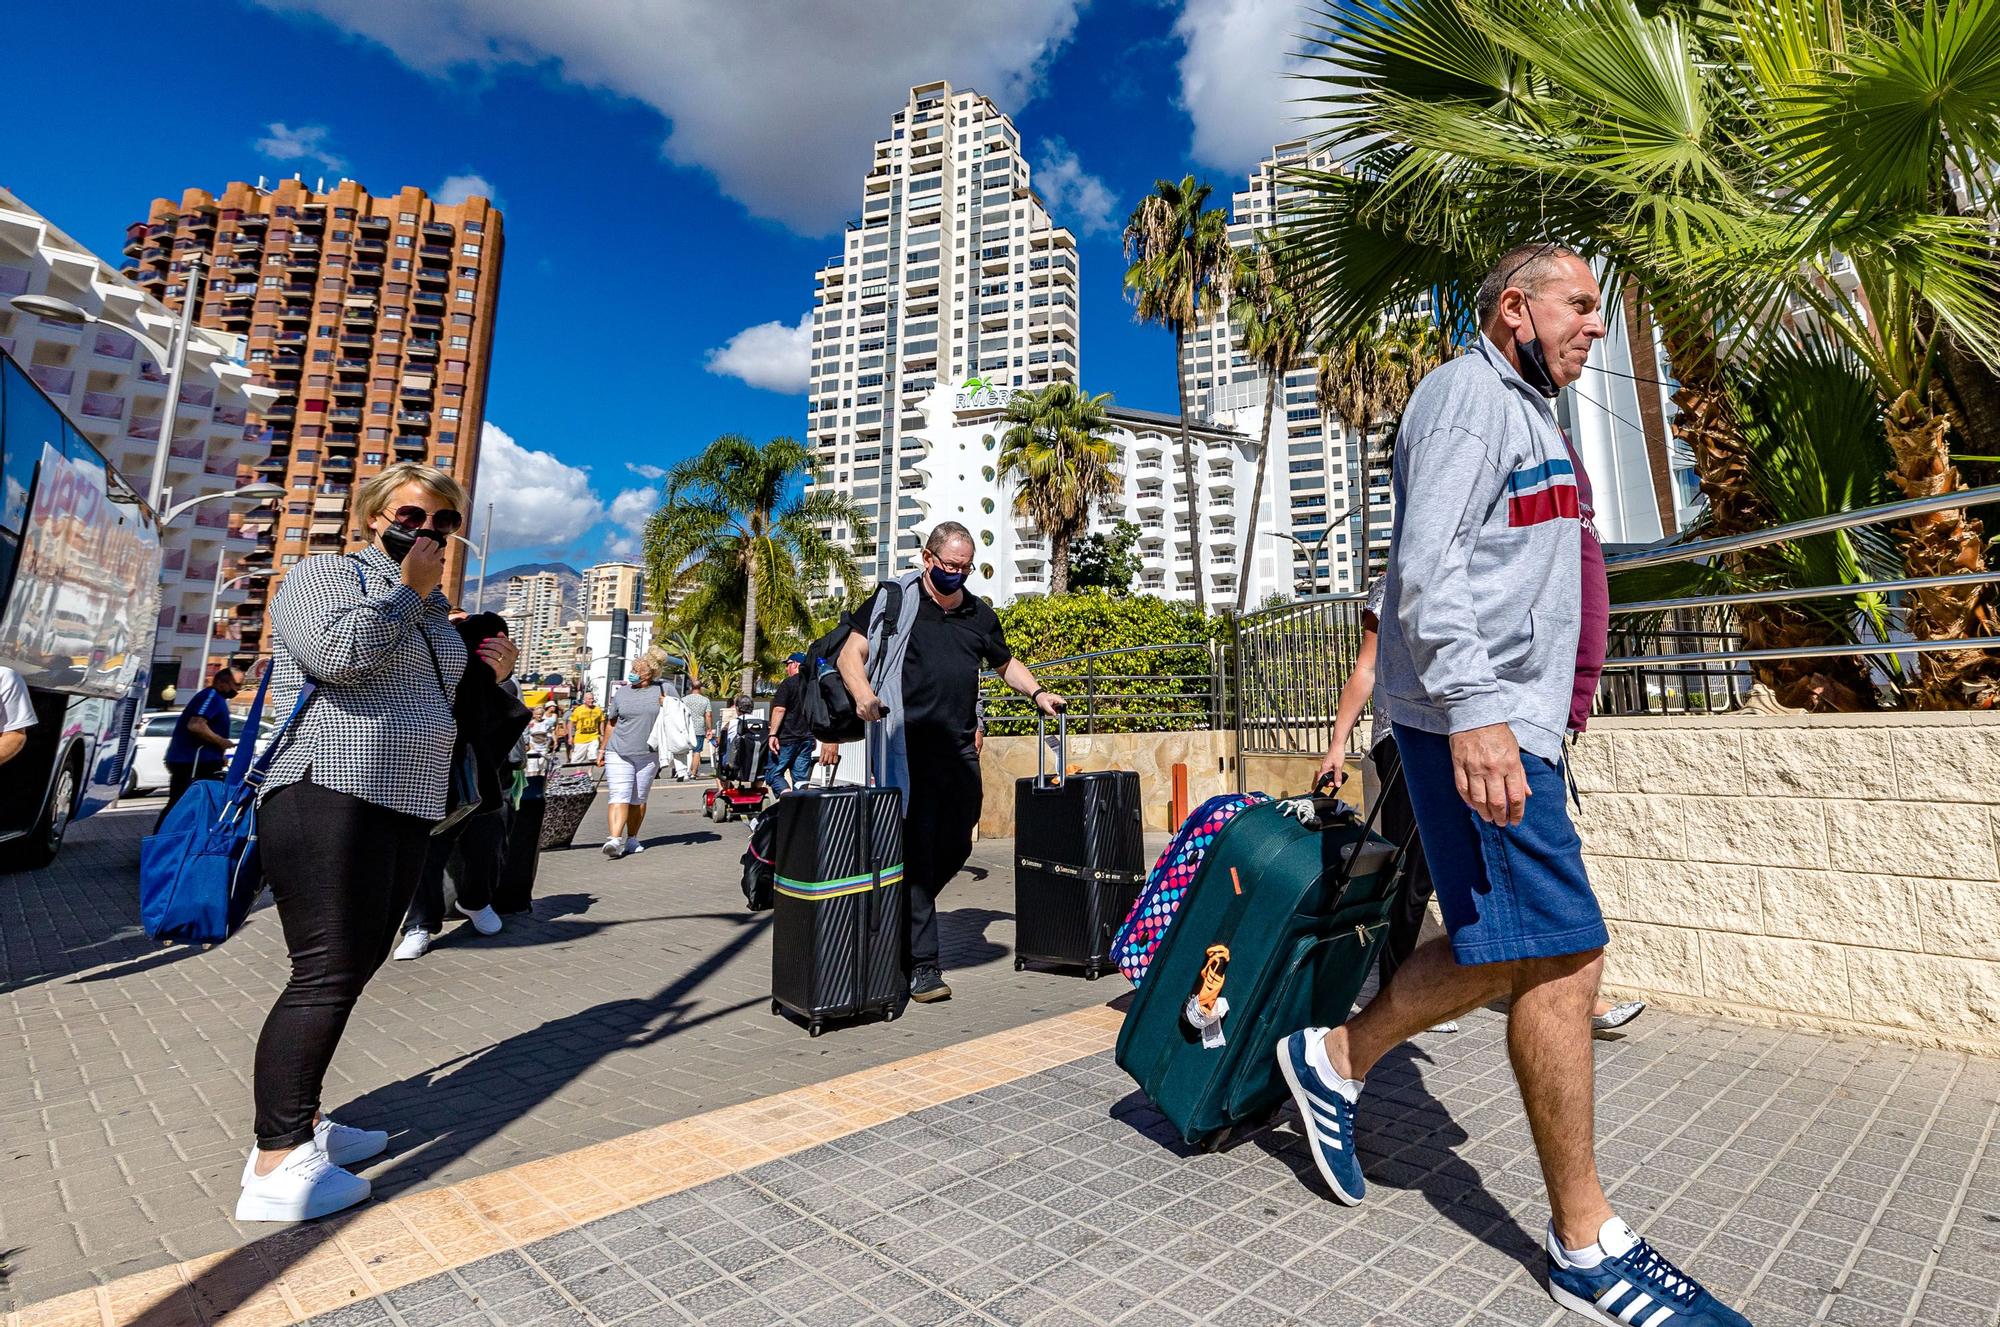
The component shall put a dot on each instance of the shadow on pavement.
(458, 1105)
(962, 940)
(553, 923)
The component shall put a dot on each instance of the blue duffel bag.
(199, 872)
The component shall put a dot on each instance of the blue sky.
(671, 173)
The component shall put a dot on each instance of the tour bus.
(79, 606)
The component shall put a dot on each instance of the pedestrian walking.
(347, 809)
(1477, 663)
(199, 747)
(586, 726)
(494, 722)
(792, 749)
(701, 724)
(629, 762)
(924, 688)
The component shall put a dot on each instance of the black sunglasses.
(415, 518)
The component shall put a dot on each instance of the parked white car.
(149, 760)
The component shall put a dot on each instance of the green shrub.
(1156, 690)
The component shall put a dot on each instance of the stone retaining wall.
(1833, 871)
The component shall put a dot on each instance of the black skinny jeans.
(342, 872)
(945, 798)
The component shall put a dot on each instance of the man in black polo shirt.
(946, 639)
(791, 735)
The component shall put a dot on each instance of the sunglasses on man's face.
(415, 518)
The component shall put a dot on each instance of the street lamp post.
(174, 356)
(479, 594)
(215, 596)
(1318, 547)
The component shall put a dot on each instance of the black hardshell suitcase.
(749, 750)
(516, 890)
(840, 909)
(1079, 860)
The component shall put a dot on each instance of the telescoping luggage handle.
(1042, 779)
(1330, 780)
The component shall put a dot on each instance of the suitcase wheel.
(814, 1029)
(889, 1012)
(777, 1008)
(1091, 974)
(1020, 965)
(1217, 1140)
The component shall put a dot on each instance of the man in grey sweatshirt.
(1475, 670)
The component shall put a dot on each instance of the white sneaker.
(484, 920)
(614, 848)
(415, 944)
(632, 846)
(344, 1146)
(1617, 1016)
(304, 1185)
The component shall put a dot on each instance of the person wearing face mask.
(1476, 671)
(629, 762)
(923, 685)
(346, 812)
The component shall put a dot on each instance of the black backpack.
(828, 706)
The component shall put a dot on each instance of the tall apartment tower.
(954, 273)
(534, 614)
(610, 585)
(372, 317)
(1315, 465)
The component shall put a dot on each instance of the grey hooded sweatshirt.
(1481, 615)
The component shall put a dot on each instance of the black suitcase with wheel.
(516, 890)
(1079, 860)
(749, 750)
(840, 909)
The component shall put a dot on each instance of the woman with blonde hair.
(629, 760)
(346, 813)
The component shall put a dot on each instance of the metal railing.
(1691, 657)
(1292, 661)
(1138, 689)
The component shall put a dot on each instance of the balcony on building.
(337, 465)
(429, 277)
(355, 339)
(439, 230)
(373, 225)
(349, 389)
(369, 245)
(311, 217)
(303, 244)
(426, 320)
(417, 419)
(342, 441)
(244, 265)
(411, 445)
(416, 389)
(428, 299)
(198, 223)
(366, 273)
(425, 348)
(281, 411)
(135, 239)
(434, 255)
(294, 314)
(287, 363)
(245, 245)
(327, 541)
(351, 364)
(345, 414)
(358, 314)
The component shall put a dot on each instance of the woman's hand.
(423, 567)
(499, 654)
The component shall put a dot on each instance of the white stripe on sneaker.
(1631, 1312)
(1325, 1117)
(1658, 1318)
(1612, 1296)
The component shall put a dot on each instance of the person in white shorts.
(629, 761)
(689, 766)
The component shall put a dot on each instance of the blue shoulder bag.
(199, 873)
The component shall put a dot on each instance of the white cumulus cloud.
(457, 188)
(306, 142)
(630, 511)
(1234, 83)
(1075, 197)
(647, 471)
(770, 355)
(539, 501)
(779, 100)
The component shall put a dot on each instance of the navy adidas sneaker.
(1326, 1116)
(1633, 1285)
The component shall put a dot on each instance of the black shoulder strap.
(892, 606)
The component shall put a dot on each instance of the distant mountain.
(495, 598)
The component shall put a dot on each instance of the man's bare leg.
(1428, 989)
(1549, 1042)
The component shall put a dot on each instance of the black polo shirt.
(941, 669)
(791, 698)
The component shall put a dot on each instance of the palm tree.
(1365, 381)
(1179, 249)
(1268, 304)
(1715, 156)
(1056, 451)
(739, 537)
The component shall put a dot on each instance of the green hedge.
(1154, 691)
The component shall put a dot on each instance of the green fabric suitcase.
(1287, 913)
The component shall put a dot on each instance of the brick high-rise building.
(373, 319)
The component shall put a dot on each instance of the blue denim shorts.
(1506, 891)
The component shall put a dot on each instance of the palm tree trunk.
(1059, 560)
(1942, 544)
(749, 629)
(1248, 540)
(1187, 463)
(1652, 420)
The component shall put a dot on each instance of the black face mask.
(397, 542)
(1535, 364)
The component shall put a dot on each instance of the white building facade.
(953, 271)
(114, 389)
(534, 614)
(599, 671)
(609, 585)
(958, 447)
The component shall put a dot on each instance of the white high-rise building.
(610, 585)
(113, 389)
(1316, 464)
(953, 274)
(534, 615)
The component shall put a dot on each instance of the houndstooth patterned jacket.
(380, 727)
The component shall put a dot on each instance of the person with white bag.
(630, 759)
(674, 735)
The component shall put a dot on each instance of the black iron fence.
(1139, 689)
